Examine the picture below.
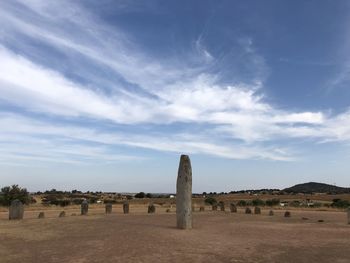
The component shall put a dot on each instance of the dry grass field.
(141, 237)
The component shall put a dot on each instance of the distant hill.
(313, 187)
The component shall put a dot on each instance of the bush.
(272, 202)
(338, 203)
(10, 193)
(242, 203)
(258, 202)
(140, 195)
(294, 203)
(210, 200)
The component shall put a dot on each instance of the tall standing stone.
(349, 215)
(126, 208)
(84, 207)
(109, 208)
(16, 210)
(184, 194)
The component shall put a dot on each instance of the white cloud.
(236, 119)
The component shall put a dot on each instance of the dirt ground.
(140, 237)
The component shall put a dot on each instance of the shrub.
(242, 203)
(210, 200)
(295, 203)
(10, 193)
(338, 203)
(140, 195)
(258, 202)
(272, 202)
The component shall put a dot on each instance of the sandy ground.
(140, 237)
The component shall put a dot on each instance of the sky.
(106, 95)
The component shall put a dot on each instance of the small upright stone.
(109, 208)
(184, 194)
(62, 214)
(248, 210)
(257, 210)
(41, 215)
(201, 209)
(271, 213)
(222, 206)
(16, 210)
(214, 207)
(233, 208)
(349, 215)
(84, 207)
(126, 208)
(151, 209)
(287, 214)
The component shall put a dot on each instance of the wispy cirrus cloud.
(109, 79)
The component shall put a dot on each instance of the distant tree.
(210, 200)
(140, 195)
(272, 202)
(242, 203)
(10, 193)
(258, 202)
(149, 195)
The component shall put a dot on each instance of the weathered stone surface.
(248, 210)
(214, 207)
(151, 209)
(287, 214)
(84, 207)
(201, 209)
(126, 208)
(222, 206)
(184, 194)
(62, 214)
(108, 208)
(349, 215)
(41, 215)
(233, 208)
(271, 213)
(257, 210)
(16, 210)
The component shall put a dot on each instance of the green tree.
(140, 195)
(10, 193)
(210, 200)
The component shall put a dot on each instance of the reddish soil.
(216, 237)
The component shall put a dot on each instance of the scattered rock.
(248, 210)
(151, 209)
(108, 208)
(62, 214)
(233, 208)
(214, 207)
(257, 210)
(222, 206)
(271, 213)
(287, 214)
(41, 215)
(201, 209)
(84, 207)
(126, 208)
(16, 210)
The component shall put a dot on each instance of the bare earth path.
(217, 237)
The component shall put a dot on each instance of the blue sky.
(105, 95)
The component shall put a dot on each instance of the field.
(140, 237)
